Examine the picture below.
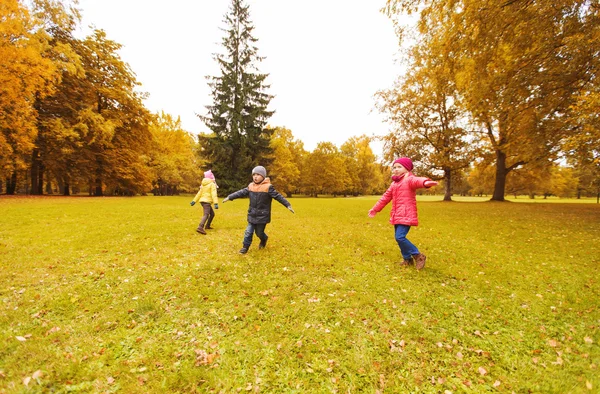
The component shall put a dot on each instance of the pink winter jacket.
(404, 199)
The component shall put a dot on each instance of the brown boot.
(420, 261)
(408, 262)
(201, 230)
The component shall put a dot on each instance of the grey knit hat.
(260, 170)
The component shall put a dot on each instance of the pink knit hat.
(404, 162)
(208, 174)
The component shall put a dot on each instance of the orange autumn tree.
(518, 66)
(26, 73)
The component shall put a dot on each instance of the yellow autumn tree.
(172, 159)
(26, 74)
(364, 176)
(518, 68)
(288, 155)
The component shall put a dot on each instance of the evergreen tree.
(238, 116)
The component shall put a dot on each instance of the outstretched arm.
(419, 182)
(279, 198)
(383, 201)
(240, 193)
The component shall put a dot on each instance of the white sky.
(325, 59)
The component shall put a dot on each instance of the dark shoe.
(208, 228)
(262, 244)
(201, 230)
(420, 261)
(408, 262)
(244, 250)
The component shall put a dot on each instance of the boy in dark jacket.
(261, 193)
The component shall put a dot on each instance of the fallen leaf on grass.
(396, 346)
(37, 374)
(22, 339)
(588, 340)
(26, 380)
(204, 358)
(482, 371)
(53, 330)
(497, 383)
(552, 342)
(588, 384)
(110, 380)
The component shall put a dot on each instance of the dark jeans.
(406, 247)
(259, 229)
(208, 216)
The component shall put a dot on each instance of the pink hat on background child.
(208, 174)
(404, 162)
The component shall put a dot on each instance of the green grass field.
(103, 295)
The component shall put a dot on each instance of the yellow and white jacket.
(207, 192)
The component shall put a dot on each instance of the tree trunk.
(35, 169)
(501, 172)
(41, 179)
(448, 182)
(66, 191)
(11, 183)
(98, 181)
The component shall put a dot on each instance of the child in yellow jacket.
(207, 195)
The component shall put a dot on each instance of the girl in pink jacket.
(402, 193)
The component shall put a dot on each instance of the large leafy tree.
(117, 124)
(363, 174)
(94, 128)
(519, 66)
(288, 157)
(27, 72)
(239, 113)
(325, 171)
(427, 117)
(55, 113)
(172, 159)
(582, 148)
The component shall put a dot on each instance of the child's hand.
(192, 203)
(216, 206)
(225, 200)
(372, 213)
(291, 209)
(429, 184)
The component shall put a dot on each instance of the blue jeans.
(406, 247)
(259, 229)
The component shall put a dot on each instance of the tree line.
(72, 119)
(74, 122)
(499, 93)
(498, 99)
